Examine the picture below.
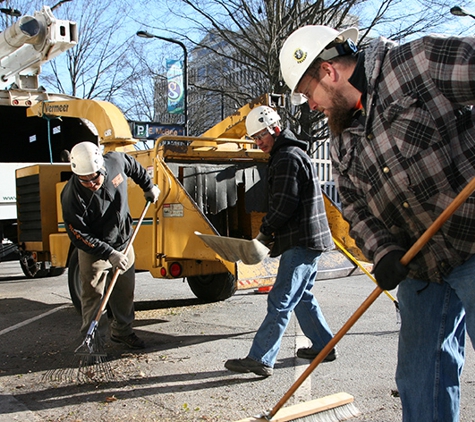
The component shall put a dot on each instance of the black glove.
(389, 271)
(264, 239)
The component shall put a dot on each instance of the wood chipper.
(213, 184)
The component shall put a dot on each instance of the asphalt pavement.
(180, 376)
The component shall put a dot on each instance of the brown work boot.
(131, 341)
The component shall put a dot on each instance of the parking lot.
(180, 375)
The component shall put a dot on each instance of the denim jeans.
(431, 350)
(291, 291)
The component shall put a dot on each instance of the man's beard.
(340, 114)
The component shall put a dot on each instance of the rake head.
(93, 365)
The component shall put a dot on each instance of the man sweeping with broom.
(98, 222)
(403, 149)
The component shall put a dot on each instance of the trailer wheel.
(74, 282)
(31, 268)
(41, 272)
(213, 287)
(34, 269)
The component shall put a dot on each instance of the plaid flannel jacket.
(296, 215)
(414, 154)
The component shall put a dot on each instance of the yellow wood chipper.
(213, 184)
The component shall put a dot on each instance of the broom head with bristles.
(334, 408)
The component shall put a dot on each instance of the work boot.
(132, 341)
(248, 365)
(309, 353)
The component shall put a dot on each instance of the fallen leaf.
(111, 399)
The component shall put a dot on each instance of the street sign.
(150, 130)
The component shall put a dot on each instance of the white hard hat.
(86, 158)
(303, 46)
(262, 117)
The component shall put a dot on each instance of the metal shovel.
(232, 249)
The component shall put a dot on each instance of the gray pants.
(95, 275)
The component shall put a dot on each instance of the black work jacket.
(99, 222)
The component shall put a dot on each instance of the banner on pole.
(176, 97)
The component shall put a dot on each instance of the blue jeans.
(431, 350)
(291, 291)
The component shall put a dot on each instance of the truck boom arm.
(29, 43)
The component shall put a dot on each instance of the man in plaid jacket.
(402, 148)
(296, 229)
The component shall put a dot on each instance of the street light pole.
(145, 34)
(460, 11)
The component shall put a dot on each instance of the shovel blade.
(232, 249)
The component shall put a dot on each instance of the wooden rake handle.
(106, 297)
(411, 253)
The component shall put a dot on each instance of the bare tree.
(243, 37)
(99, 66)
(136, 98)
(250, 33)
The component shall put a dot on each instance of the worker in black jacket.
(97, 219)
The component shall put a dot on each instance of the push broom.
(340, 407)
(93, 362)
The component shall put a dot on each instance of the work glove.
(264, 239)
(152, 194)
(118, 260)
(389, 271)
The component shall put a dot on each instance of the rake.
(94, 365)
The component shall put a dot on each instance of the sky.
(165, 18)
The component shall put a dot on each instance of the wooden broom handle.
(411, 253)
(117, 271)
(437, 224)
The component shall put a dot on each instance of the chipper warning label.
(172, 210)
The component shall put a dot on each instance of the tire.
(74, 282)
(213, 287)
(32, 269)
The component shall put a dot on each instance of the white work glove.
(152, 194)
(118, 260)
(264, 239)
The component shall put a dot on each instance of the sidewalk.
(12, 410)
(180, 376)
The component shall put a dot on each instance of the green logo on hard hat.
(300, 55)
